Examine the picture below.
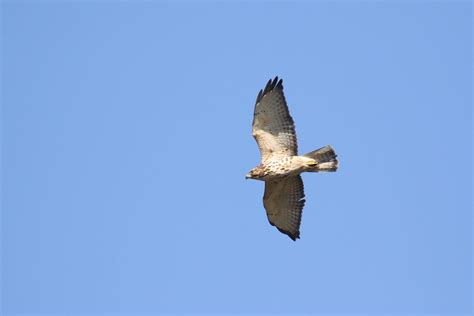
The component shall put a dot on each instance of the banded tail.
(325, 158)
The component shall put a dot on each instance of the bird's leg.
(313, 163)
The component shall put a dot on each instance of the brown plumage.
(280, 167)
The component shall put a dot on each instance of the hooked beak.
(248, 176)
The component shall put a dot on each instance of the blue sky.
(126, 138)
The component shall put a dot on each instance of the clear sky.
(126, 137)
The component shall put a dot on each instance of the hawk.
(280, 166)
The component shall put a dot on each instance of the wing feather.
(284, 202)
(273, 127)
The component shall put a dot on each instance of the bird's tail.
(325, 158)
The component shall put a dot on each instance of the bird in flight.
(280, 167)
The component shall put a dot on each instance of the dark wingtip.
(268, 86)
(279, 84)
(271, 85)
(292, 236)
(259, 96)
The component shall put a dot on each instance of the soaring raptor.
(280, 167)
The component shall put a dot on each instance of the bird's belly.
(281, 168)
(279, 176)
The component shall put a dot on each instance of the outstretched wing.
(284, 202)
(273, 126)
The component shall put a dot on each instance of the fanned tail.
(325, 158)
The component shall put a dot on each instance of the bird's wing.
(284, 202)
(273, 126)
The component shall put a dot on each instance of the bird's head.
(250, 175)
(256, 173)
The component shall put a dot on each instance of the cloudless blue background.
(126, 136)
